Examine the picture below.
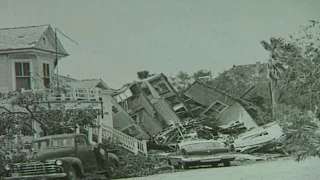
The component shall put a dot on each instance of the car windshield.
(202, 146)
(42, 144)
(62, 142)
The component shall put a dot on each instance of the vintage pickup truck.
(64, 156)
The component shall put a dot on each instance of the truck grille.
(36, 168)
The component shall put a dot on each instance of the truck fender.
(75, 162)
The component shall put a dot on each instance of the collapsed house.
(144, 108)
(152, 110)
(203, 100)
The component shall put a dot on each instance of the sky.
(118, 38)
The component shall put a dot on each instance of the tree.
(33, 106)
(181, 81)
(144, 74)
(298, 61)
(295, 71)
(202, 75)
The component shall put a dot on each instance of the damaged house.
(144, 108)
(203, 100)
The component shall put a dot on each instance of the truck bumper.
(42, 176)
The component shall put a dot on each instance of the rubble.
(165, 118)
(261, 139)
(197, 128)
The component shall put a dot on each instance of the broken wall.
(236, 113)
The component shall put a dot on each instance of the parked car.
(65, 156)
(200, 152)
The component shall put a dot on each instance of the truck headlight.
(59, 162)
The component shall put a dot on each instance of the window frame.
(44, 41)
(14, 77)
(46, 74)
(162, 86)
(216, 109)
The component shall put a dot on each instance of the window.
(81, 142)
(215, 107)
(64, 142)
(22, 73)
(162, 88)
(46, 75)
(44, 41)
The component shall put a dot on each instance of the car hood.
(53, 153)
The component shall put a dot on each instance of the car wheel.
(184, 166)
(71, 174)
(226, 163)
(214, 165)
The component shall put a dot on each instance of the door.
(85, 153)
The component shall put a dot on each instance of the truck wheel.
(71, 174)
(101, 156)
(112, 171)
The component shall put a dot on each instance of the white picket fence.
(127, 142)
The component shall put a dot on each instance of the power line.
(67, 37)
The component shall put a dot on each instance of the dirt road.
(274, 170)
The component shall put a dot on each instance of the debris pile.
(152, 110)
(197, 128)
(262, 139)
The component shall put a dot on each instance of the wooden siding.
(4, 73)
(205, 95)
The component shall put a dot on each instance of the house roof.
(87, 83)
(206, 95)
(20, 38)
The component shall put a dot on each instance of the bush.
(302, 132)
(135, 165)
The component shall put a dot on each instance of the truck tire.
(72, 174)
(101, 154)
(112, 171)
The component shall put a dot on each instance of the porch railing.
(71, 94)
(130, 143)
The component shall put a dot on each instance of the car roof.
(59, 136)
(196, 142)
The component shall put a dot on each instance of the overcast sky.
(118, 38)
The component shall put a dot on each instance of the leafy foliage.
(299, 84)
(183, 80)
(33, 106)
(302, 131)
(296, 67)
(144, 74)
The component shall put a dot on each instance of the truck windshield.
(42, 144)
(62, 142)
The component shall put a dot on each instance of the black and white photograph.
(159, 89)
